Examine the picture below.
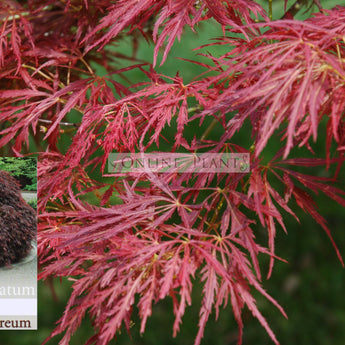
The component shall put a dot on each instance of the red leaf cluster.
(140, 238)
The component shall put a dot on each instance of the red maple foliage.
(150, 235)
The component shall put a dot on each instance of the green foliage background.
(310, 286)
(24, 169)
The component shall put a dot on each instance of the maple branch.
(11, 15)
(50, 78)
(61, 123)
(88, 67)
(270, 11)
(294, 9)
(208, 130)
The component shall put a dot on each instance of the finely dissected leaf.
(173, 16)
(303, 76)
(210, 291)
(315, 184)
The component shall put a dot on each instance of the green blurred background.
(310, 287)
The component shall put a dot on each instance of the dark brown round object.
(17, 222)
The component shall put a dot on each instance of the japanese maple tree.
(71, 96)
(17, 222)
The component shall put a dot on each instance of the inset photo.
(18, 243)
